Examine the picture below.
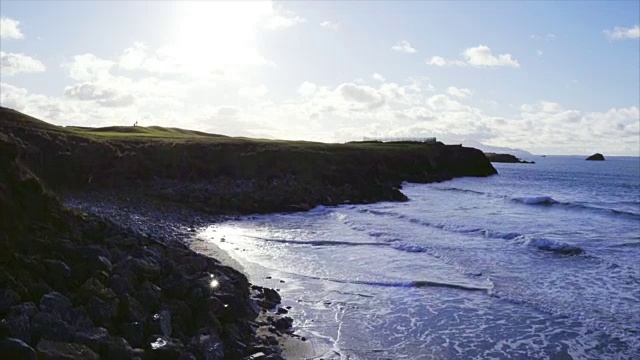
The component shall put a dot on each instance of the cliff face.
(79, 287)
(506, 158)
(234, 175)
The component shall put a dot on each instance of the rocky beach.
(95, 225)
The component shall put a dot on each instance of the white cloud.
(307, 88)
(440, 61)
(442, 102)
(104, 96)
(547, 37)
(459, 92)
(542, 106)
(366, 96)
(283, 20)
(12, 64)
(133, 58)
(539, 53)
(479, 56)
(258, 91)
(619, 33)
(378, 77)
(88, 67)
(9, 29)
(404, 46)
(329, 25)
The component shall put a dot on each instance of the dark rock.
(149, 296)
(116, 348)
(80, 319)
(121, 285)
(51, 327)
(283, 323)
(58, 272)
(161, 323)
(15, 349)
(132, 310)
(164, 348)
(8, 298)
(133, 332)
(52, 350)
(27, 308)
(505, 158)
(101, 311)
(103, 264)
(94, 338)
(596, 157)
(58, 304)
(17, 326)
(207, 347)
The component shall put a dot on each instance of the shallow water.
(541, 261)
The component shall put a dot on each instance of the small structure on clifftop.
(596, 157)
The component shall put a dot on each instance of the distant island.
(505, 158)
(596, 157)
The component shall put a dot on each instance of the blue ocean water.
(540, 261)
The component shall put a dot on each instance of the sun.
(218, 34)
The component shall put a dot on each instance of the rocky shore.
(86, 282)
(77, 286)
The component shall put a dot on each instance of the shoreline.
(170, 224)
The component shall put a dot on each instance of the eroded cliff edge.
(231, 175)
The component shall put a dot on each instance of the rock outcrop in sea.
(596, 157)
(505, 158)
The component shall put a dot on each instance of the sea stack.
(596, 157)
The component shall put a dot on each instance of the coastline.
(171, 224)
(140, 200)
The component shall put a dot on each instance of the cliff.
(505, 158)
(231, 175)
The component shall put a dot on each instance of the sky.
(547, 77)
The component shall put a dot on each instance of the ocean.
(539, 261)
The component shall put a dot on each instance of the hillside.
(230, 175)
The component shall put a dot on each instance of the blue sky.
(548, 77)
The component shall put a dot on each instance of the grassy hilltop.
(228, 174)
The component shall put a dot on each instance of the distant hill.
(523, 154)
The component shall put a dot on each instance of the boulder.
(92, 338)
(8, 298)
(15, 349)
(164, 348)
(596, 157)
(116, 348)
(51, 327)
(133, 332)
(58, 304)
(161, 323)
(207, 347)
(53, 350)
(58, 272)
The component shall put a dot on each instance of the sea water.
(540, 261)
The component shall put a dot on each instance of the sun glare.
(215, 34)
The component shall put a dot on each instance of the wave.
(549, 201)
(409, 284)
(553, 246)
(318, 242)
(537, 200)
(468, 191)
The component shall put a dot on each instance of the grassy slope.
(227, 174)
